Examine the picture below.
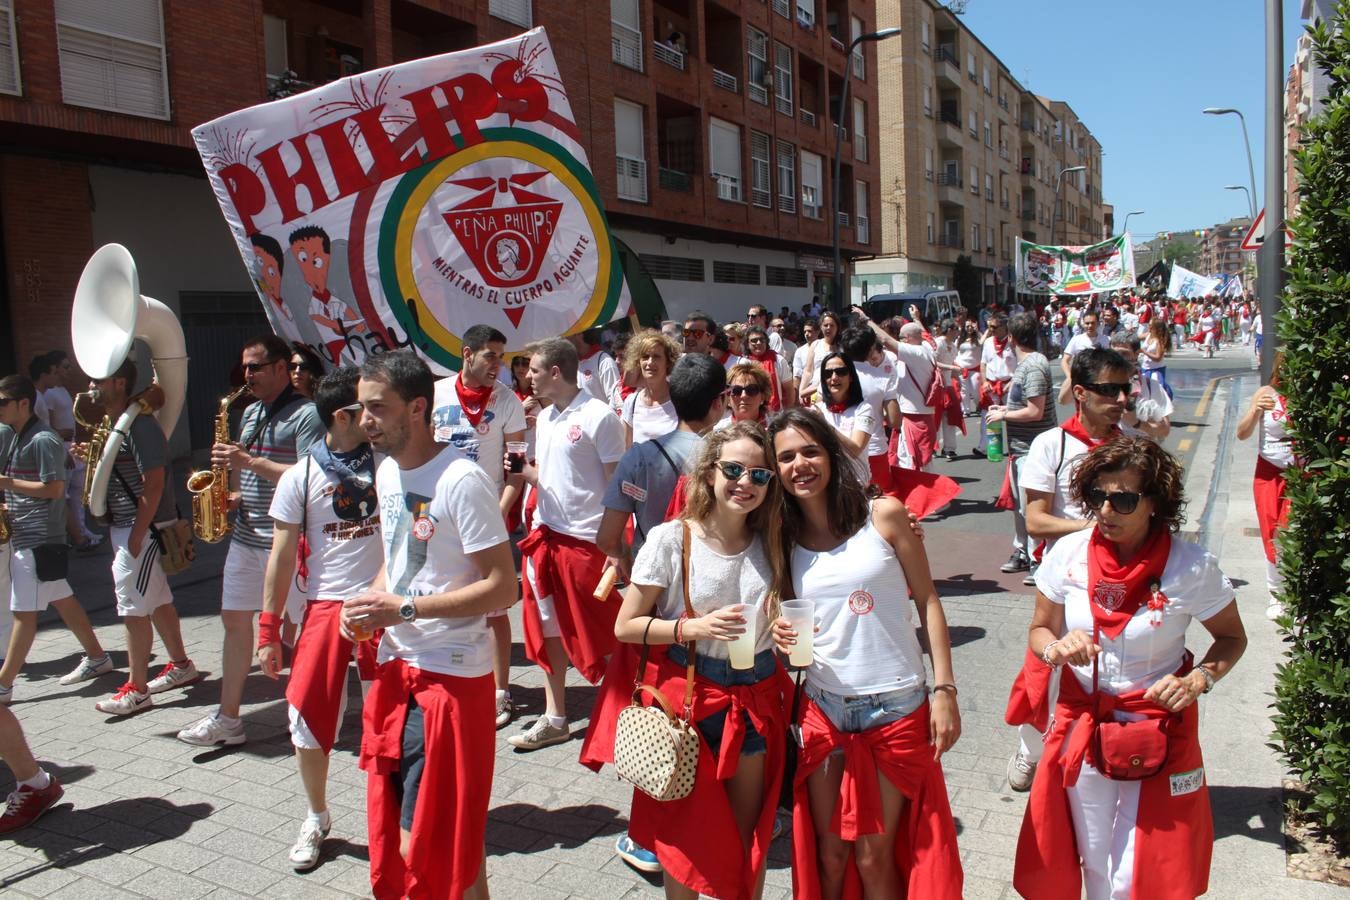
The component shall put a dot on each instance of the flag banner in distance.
(1049, 269)
(399, 207)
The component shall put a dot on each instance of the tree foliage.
(966, 281)
(1312, 720)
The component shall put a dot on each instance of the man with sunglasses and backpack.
(325, 541)
(1099, 382)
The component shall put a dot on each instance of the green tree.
(1181, 252)
(1312, 692)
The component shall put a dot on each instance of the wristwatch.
(407, 611)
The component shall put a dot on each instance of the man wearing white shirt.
(777, 329)
(579, 444)
(1090, 337)
(998, 361)
(879, 378)
(597, 372)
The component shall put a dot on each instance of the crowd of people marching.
(726, 516)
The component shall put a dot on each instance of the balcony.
(1003, 204)
(725, 81)
(944, 53)
(1002, 152)
(626, 46)
(989, 194)
(808, 117)
(632, 178)
(675, 180)
(862, 230)
(1028, 215)
(950, 73)
(952, 240)
(669, 55)
(950, 179)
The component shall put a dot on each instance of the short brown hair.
(644, 342)
(1160, 476)
(753, 370)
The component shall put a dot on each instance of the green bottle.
(993, 450)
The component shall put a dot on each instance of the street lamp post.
(881, 35)
(1238, 187)
(1059, 183)
(1246, 143)
(1134, 212)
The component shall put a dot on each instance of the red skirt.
(1272, 506)
(920, 437)
(319, 670)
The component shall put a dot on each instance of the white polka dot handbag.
(656, 749)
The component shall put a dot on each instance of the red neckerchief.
(768, 361)
(1117, 590)
(625, 390)
(836, 407)
(1000, 346)
(1073, 426)
(325, 295)
(594, 349)
(522, 396)
(474, 401)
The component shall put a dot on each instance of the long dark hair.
(855, 395)
(845, 496)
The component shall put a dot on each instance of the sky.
(1138, 74)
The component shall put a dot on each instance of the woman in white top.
(968, 360)
(842, 405)
(733, 500)
(648, 412)
(859, 561)
(828, 342)
(1153, 354)
(1268, 416)
(945, 350)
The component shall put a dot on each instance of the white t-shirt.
(1143, 652)
(1277, 446)
(998, 367)
(41, 409)
(345, 555)
(1043, 459)
(716, 581)
(920, 363)
(60, 408)
(485, 443)
(431, 519)
(879, 384)
(573, 447)
(1146, 363)
(646, 421)
(599, 376)
(968, 354)
(1080, 342)
(860, 417)
(1152, 403)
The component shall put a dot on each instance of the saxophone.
(98, 439)
(210, 488)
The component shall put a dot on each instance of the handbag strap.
(640, 688)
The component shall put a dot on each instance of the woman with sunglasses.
(715, 841)
(867, 690)
(828, 342)
(842, 405)
(1113, 604)
(747, 390)
(306, 369)
(648, 412)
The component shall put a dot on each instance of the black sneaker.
(951, 455)
(1018, 562)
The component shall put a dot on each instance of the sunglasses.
(250, 368)
(749, 390)
(694, 332)
(733, 471)
(351, 408)
(840, 373)
(1123, 502)
(300, 367)
(1108, 389)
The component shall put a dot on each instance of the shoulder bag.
(656, 750)
(1126, 751)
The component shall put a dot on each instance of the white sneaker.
(211, 730)
(305, 853)
(126, 701)
(505, 710)
(88, 669)
(1021, 772)
(540, 734)
(172, 676)
(6, 695)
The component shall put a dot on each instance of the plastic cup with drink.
(801, 615)
(741, 648)
(515, 456)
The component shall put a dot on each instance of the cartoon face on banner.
(400, 207)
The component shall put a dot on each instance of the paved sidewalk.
(147, 816)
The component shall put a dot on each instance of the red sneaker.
(26, 804)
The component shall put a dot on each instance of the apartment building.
(969, 159)
(710, 128)
(1219, 247)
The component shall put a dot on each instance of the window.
(781, 7)
(672, 268)
(778, 276)
(806, 13)
(761, 185)
(928, 100)
(112, 56)
(724, 139)
(787, 177)
(988, 186)
(517, 12)
(630, 152)
(970, 65)
(974, 239)
(861, 220)
(974, 180)
(972, 120)
(987, 89)
(626, 37)
(931, 229)
(859, 130)
(988, 134)
(9, 50)
(925, 41)
(758, 81)
(813, 194)
(782, 78)
(859, 65)
(928, 163)
(275, 56)
(735, 273)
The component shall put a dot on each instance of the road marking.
(1192, 429)
(1184, 445)
(1203, 406)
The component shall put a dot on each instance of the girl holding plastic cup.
(739, 707)
(859, 560)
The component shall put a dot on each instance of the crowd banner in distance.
(399, 207)
(1047, 269)
(1185, 284)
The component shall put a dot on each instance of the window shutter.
(9, 52)
(112, 56)
(515, 11)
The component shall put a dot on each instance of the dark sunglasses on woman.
(1123, 502)
(749, 390)
(734, 470)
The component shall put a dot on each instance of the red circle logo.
(423, 529)
(860, 602)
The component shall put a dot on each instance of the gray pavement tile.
(111, 867)
(502, 886)
(89, 889)
(347, 877)
(234, 874)
(580, 881)
(38, 880)
(520, 866)
(244, 845)
(177, 855)
(166, 884)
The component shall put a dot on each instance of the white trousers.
(970, 391)
(1104, 815)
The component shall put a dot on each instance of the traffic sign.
(1256, 235)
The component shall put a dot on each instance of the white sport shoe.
(6, 695)
(126, 701)
(505, 710)
(1021, 772)
(211, 730)
(305, 853)
(540, 734)
(172, 676)
(88, 669)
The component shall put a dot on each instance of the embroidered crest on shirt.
(860, 603)
(574, 433)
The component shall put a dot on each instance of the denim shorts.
(719, 671)
(408, 779)
(852, 715)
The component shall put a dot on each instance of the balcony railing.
(668, 55)
(944, 53)
(950, 118)
(989, 193)
(808, 117)
(626, 46)
(783, 8)
(787, 203)
(843, 219)
(1028, 215)
(757, 92)
(952, 240)
(951, 179)
(861, 230)
(1003, 204)
(632, 178)
(783, 103)
(675, 180)
(725, 81)
(1002, 152)
(728, 188)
